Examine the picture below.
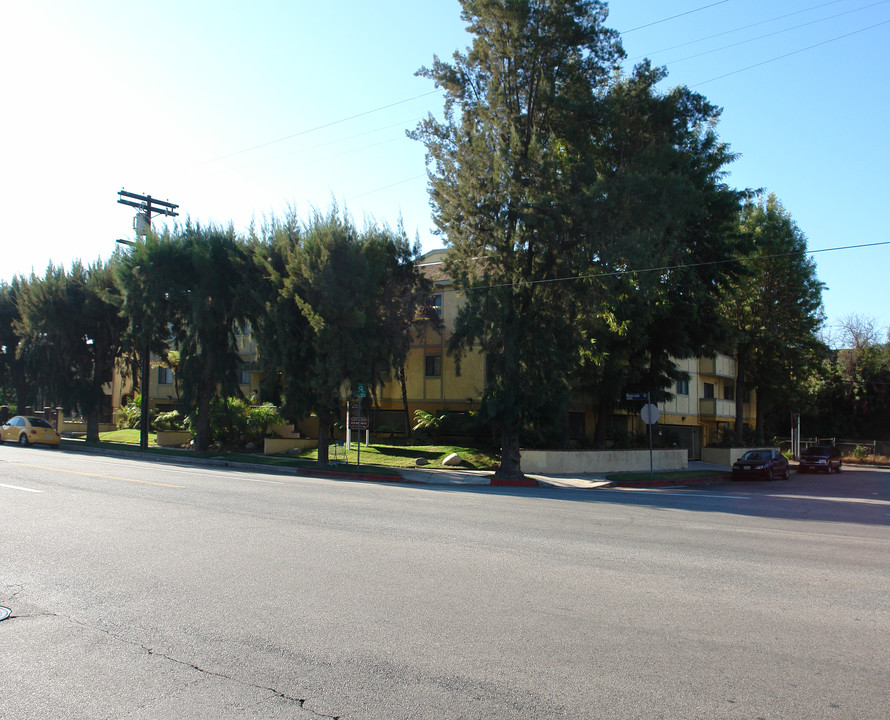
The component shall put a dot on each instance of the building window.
(708, 390)
(435, 303)
(433, 366)
(244, 377)
(165, 376)
(728, 391)
(682, 387)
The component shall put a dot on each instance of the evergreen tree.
(774, 311)
(186, 290)
(71, 335)
(508, 166)
(12, 367)
(659, 223)
(331, 309)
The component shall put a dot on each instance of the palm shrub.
(234, 422)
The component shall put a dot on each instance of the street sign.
(650, 414)
(637, 396)
(357, 421)
(361, 391)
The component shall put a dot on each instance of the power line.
(777, 32)
(738, 29)
(666, 268)
(793, 52)
(316, 128)
(672, 17)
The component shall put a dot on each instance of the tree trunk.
(510, 467)
(741, 364)
(602, 423)
(202, 430)
(761, 414)
(93, 426)
(403, 384)
(324, 436)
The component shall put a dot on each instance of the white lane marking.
(23, 489)
(829, 498)
(198, 471)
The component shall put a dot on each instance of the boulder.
(453, 459)
(421, 461)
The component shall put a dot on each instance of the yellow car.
(29, 431)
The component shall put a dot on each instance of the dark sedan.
(765, 464)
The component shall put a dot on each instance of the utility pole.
(147, 206)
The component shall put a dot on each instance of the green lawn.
(404, 456)
(128, 436)
(391, 455)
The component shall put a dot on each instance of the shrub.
(235, 423)
(259, 419)
(129, 415)
(169, 421)
(860, 452)
(426, 423)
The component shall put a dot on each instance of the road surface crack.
(301, 702)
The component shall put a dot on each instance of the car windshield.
(756, 455)
(39, 422)
(816, 452)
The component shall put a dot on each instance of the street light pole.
(144, 379)
(147, 205)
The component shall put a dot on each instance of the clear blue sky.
(234, 110)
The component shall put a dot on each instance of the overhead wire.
(667, 268)
(793, 52)
(734, 30)
(646, 25)
(672, 17)
(777, 32)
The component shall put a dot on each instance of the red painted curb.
(514, 483)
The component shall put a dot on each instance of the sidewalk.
(585, 481)
(429, 476)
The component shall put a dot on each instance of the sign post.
(650, 415)
(356, 421)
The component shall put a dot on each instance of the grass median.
(383, 456)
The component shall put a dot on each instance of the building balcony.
(719, 366)
(712, 408)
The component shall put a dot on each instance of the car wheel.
(839, 467)
(23, 440)
(786, 474)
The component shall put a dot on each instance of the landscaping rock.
(453, 459)
(421, 461)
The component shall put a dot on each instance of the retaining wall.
(565, 462)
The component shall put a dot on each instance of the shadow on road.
(855, 496)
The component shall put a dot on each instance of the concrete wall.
(274, 446)
(172, 438)
(563, 462)
(77, 427)
(723, 456)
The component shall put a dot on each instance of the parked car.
(29, 431)
(765, 464)
(820, 457)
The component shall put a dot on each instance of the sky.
(238, 110)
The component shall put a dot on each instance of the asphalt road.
(141, 590)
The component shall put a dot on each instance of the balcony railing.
(720, 366)
(716, 408)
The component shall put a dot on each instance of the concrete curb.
(256, 467)
(676, 482)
